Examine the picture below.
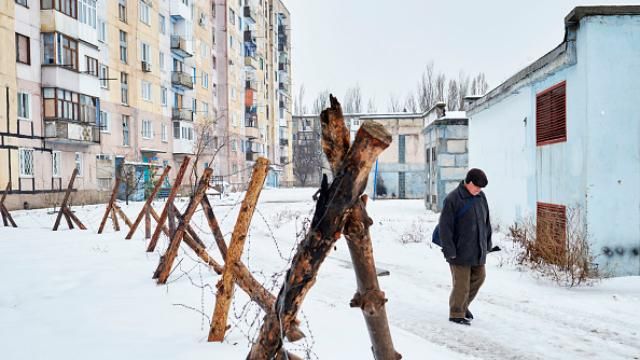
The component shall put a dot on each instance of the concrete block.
(449, 186)
(457, 132)
(453, 173)
(447, 160)
(457, 146)
(462, 160)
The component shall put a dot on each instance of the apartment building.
(103, 86)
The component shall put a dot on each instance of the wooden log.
(214, 226)
(74, 218)
(169, 202)
(109, 208)
(147, 203)
(65, 201)
(326, 226)
(177, 237)
(236, 246)
(6, 216)
(123, 216)
(171, 219)
(114, 220)
(368, 297)
(147, 225)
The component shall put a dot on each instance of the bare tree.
(353, 100)
(452, 95)
(299, 105)
(440, 83)
(394, 104)
(463, 89)
(321, 102)
(307, 157)
(130, 179)
(426, 88)
(479, 85)
(371, 106)
(206, 147)
(410, 103)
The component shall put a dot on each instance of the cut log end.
(295, 334)
(376, 131)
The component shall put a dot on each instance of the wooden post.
(214, 226)
(114, 220)
(236, 246)
(147, 225)
(123, 216)
(64, 209)
(369, 297)
(6, 216)
(172, 195)
(182, 228)
(109, 209)
(147, 203)
(326, 226)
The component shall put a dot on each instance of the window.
(214, 60)
(22, 2)
(24, 106)
(56, 164)
(205, 108)
(144, 13)
(26, 162)
(146, 90)
(147, 132)
(551, 115)
(102, 30)
(87, 12)
(92, 66)
(59, 49)
(123, 47)
(145, 52)
(161, 60)
(163, 95)
(230, 41)
(104, 76)
(162, 24)
(551, 229)
(105, 122)
(232, 17)
(23, 49)
(122, 10)
(125, 130)
(401, 148)
(67, 7)
(176, 130)
(124, 88)
(165, 133)
(205, 80)
(234, 145)
(88, 106)
(79, 164)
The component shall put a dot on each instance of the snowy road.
(79, 295)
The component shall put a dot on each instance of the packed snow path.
(74, 294)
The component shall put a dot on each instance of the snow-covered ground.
(78, 295)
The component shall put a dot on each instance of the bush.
(414, 235)
(567, 260)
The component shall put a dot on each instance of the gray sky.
(385, 45)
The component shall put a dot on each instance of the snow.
(75, 294)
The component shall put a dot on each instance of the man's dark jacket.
(467, 238)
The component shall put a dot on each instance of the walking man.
(465, 233)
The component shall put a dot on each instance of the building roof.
(565, 50)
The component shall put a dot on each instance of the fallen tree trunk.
(326, 226)
(369, 297)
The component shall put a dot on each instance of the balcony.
(249, 37)
(71, 132)
(251, 84)
(284, 159)
(284, 142)
(180, 46)
(250, 14)
(179, 78)
(251, 61)
(181, 114)
(251, 156)
(146, 66)
(179, 10)
(284, 87)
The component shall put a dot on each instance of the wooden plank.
(214, 226)
(168, 203)
(114, 220)
(147, 225)
(123, 216)
(75, 219)
(172, 252)
(109, 209)
(65, 201)
(147, 203)
(236, 246)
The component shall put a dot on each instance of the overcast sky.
(384, 45)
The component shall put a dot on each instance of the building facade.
(103, 86)
(561, 135)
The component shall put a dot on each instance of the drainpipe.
(375, 180)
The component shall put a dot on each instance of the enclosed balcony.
(182, 79)
(249, 37)
(250, 14)
(251, 84)
(251, 62)
(179, 9)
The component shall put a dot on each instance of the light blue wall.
(598, 168)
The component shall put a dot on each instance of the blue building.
(563, 134)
